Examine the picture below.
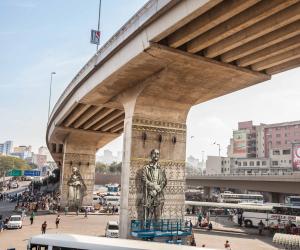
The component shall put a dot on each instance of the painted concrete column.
(82, 157)
(150, 127)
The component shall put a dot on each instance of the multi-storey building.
(6, 148)
(264, 148)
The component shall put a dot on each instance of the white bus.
(83, 242)
(112, 200)
(279, 214)
(293, 200)
(240, 198)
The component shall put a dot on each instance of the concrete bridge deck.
(169, 56)
(284, 183)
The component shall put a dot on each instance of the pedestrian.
(77, 211)
(44, 227)
(260, 227)
(66, 210)
(1, 225)
(57, 221)
(227, 245)
(31, 218)
(85, 213)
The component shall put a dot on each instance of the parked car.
(15, 222)
(112, 229)
(14, 184)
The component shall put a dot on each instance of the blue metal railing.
(160, 228)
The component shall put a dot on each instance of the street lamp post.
(50, 92)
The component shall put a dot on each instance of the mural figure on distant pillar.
(154, 182)
(77, 188)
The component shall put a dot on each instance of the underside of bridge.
(146, 87)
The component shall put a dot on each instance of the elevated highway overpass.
(169, 56)
(284, 183)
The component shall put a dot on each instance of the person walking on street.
(57, 221)
(66, 210)
(260, 227)
(227, 245)
(85, 212)
(31, 218)
(44, 227)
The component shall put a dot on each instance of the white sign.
(95, 37)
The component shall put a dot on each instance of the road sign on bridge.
(32, 173)
(15, 172)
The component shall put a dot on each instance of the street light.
(51, 76)
(215, 143)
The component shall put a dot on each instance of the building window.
(263, 163)
(277, 135)
(251, 163)
(290, 161)
(276, 152)
(258, 163)
(278, 142)
(286, 151)
(286, 135)
(245, 163)
(239, 164)
(274, 163)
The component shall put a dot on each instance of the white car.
(15, 222)
(112, 229)
(14, 185)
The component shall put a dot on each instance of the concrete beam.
(283, 67)
(77, 112)
(265, 41)
(106, 120)
(113, 123)
(273, 50)
(86, 116)
(208, 20)
(100, 115)
(276, 60)
(117, 128)
(239, 22)
(274, 22)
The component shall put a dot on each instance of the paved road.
(6, 207)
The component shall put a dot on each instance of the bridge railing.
(240, 174)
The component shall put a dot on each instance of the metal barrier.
(149, 229)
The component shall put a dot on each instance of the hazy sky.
(38, 37)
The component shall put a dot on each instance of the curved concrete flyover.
(169, 56)
(288, 183)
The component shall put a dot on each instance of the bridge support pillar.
(275, 197)
(147, 126)
(207, 192)
(78, 166)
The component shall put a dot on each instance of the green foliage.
(101, 167)
(115, 167)
(9, 162)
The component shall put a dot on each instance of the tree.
(100, 167)
(9, 162)
(115, 167)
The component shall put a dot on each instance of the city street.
(95, 225)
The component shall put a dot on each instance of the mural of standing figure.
(77, 188)
(154, 182)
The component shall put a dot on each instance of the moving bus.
(293, 200)
(278, 214)
(240, 198)
(83, 242)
